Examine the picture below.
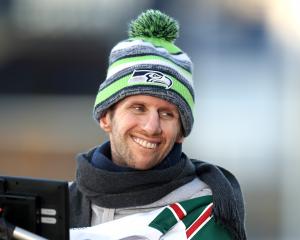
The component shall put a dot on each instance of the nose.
(152, 123)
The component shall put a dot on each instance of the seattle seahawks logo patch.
(150, 77)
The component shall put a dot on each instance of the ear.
(105, 122)
(180, 138)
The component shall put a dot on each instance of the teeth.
(144, 143)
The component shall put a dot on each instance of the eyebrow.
(141, 102)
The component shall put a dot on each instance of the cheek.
(123, 123)
(172, 130)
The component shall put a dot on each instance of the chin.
(144, 164)
(144, 167)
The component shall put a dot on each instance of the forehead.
(147, 100)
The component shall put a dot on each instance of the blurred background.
(246, 54)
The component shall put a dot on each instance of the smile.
(145, 143)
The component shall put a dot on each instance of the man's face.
(142, 131)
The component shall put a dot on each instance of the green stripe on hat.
(118, 85)
(159, 42)
(179, 68)
(183, 91)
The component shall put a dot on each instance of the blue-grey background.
(246, 54)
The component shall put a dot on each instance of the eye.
(137, 108)
(166, 115)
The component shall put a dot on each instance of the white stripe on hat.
(186, 75)
(139, 43)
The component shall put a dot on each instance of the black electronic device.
(40, 206)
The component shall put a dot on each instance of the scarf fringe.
(227, 198)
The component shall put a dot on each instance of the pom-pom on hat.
(149, 63)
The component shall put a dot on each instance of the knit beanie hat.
(149, 63)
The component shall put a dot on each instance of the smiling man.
(142, 131)
(145, 105)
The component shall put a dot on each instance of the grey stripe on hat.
(163, 69)
(181, 56)
(186, 113)
(143, 51)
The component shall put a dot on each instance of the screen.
(40, 206)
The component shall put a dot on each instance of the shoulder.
(79, 207)
(227, 196)
(205, 170)
(192, 189)
(74, 193)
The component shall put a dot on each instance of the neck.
(102, 159)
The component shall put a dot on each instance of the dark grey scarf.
(135, 188)
(124, 189)
(228, 201)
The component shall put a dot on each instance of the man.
(145, 105)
